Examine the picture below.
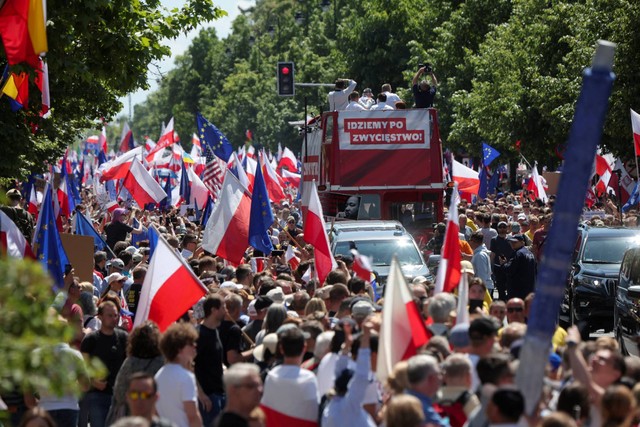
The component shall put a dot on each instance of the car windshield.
(381, 251)
(607, 250)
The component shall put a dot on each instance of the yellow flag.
(37, 28)
(10, 88)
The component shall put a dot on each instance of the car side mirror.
(576, 267)
(633, 292)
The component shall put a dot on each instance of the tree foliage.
(99, 50)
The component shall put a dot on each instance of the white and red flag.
(467, 178)
(449, 270)
(119, 167)
(292, 259)
(288, 160)
(227, 230)
(402, 331)
(272, 180)
(12, 241)
(143, 188)
(170, 288)
(290, 178)
(126, 139)
(35, 200)
(102, 140)
(199, 192)
(362, 265)
(316, 236)
(250, 171)
(166, 139)
(635, 125)
(603, 169)
(536, 184)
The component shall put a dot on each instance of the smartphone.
(67, 269)
(277, 252)
(473, 304)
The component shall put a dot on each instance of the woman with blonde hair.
(315, 304)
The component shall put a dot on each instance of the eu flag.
(48, 246)
(261, 216)
(84, 228)
(633, 199)
(211, 136)
(489, 154)
(153, 240)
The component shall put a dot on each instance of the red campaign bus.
(377, 165)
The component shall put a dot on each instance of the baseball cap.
(288, 326)
(262, 302)
(466, 267)
(502, 224)
(361, 309)
(116, 263)
(459, 335)
(516, 238)
(276, 295)
(14, 194)
(137, 257)
(115, 277)
(522, 217)
(230, 285)
(269, 343)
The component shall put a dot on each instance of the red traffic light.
(285, 70)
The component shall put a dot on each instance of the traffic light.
(286, 85)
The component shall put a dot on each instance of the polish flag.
(196, 147)
(272, 180)
(604, 170)
(292, 259)
(258, 264)
(148, 145)
(199, 191)
(536, 184)
(35, 200)
(102, 140)
(449, 270)
(111, 206)
(250, 170)
(143, 188)
(166, 139)
(635, 125)
(64, 197)
(284, 405)
(467, 178)
(227, 230)
(402, 331)
(12, 241)
(119, 167)
(279, 153)
(290, 178)
(126, 140)
(288, 160)
(251, 152)
(362, 265)
(316, 236)
(170, 288)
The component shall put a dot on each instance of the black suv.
(593, 278)
(626, 316)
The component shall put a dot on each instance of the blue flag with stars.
(213, 138)
(633, 199)
(261, 216)
(489, 154)
(48, 246)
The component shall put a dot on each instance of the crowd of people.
(273, 347)
(345, 97)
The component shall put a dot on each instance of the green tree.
(98, 51)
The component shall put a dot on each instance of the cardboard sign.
(80, 251)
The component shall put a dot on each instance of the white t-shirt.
(380, 106)
(353, 105)
(338, 99)
(176, 385)
(392, 98)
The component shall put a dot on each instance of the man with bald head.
(515, 310)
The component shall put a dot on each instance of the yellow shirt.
(472, 225)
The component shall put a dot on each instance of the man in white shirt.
(392, 98)
(367, 100)
(382, 103)
(339, 96)
(354, 104)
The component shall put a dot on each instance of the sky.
(180, 45)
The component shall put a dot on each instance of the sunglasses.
(515, 309)
(140, 395)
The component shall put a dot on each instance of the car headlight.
(590, 281)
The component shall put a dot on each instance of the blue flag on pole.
(633, 199)
(153, 240)
(211, 136)
(166, 202)
(84, 228)
(489, 154)
(206, 212)
(48, 246)
(261, 216)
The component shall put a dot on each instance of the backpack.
(22, 219)
(454, 410)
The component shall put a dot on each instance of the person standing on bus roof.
(339, 96)
(423, 93)
(354, 104)
(392, 98)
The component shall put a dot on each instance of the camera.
(427, 68)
